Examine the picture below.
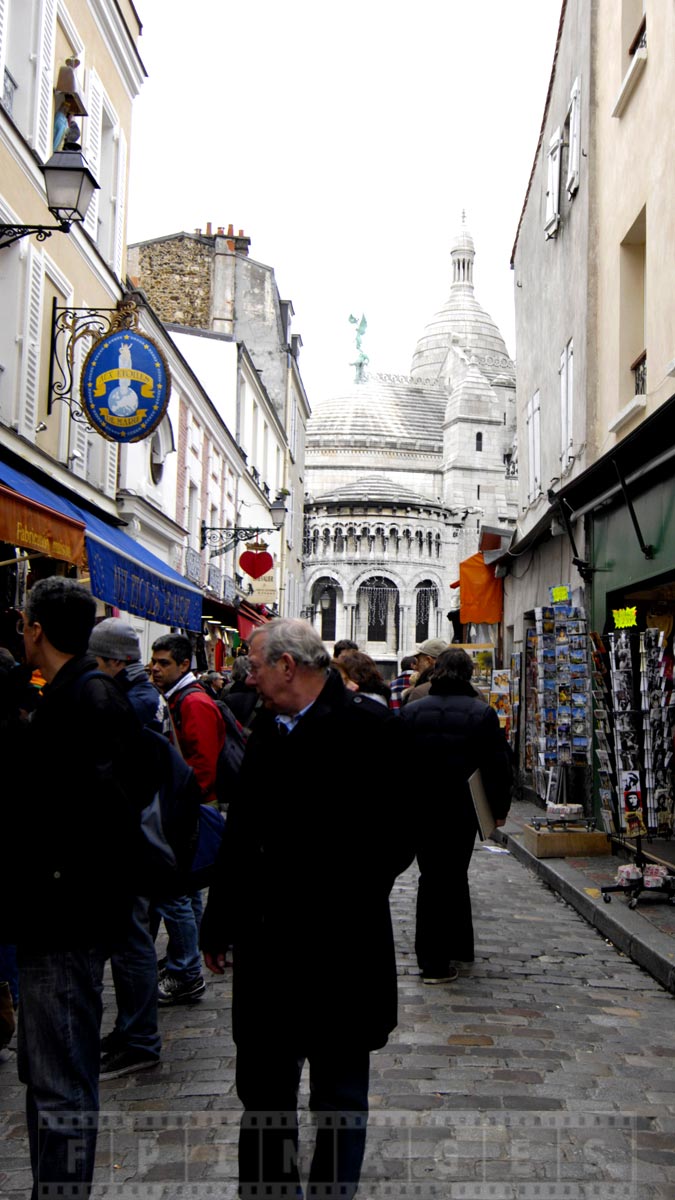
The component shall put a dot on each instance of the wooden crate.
(565, 843)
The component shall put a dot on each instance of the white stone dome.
(461, 325)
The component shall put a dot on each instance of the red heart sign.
(255, 563)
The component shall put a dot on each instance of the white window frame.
(554, 159)
(574, 148)
(567, 405)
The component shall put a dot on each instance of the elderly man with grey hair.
(302, 895)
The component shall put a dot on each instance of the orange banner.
(480, 594)
(26, 523)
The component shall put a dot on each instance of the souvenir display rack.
(558, 720)
(633, 727)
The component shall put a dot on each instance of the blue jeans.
(58, 1059)
(267, 1079)
(134, 972)
(183, 957)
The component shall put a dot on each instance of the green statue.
(362, 360)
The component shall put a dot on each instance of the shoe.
(171, 990)
(124, 1062)
(111, 1041)
(448, 976)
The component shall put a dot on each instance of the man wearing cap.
(425, 661)
(134, 1043)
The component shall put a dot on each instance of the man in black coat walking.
(72, 879)
(310, 855)
(453, 732)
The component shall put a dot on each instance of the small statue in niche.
(67, 105)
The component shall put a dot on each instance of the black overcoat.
(316, 835)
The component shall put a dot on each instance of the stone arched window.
(339, 540)
(479, 442)
(426, 602)
(378, 606)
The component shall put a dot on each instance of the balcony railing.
(9, 86)
(193, 565)
(215, 579)
(229, 589)
(639, 369)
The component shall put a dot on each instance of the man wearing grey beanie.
(134, 1043)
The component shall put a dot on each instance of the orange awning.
(33, 526)
(480, 594)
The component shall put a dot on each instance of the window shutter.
(570, 396)
(530, 451)
(537, 445)
(120, 204)
(43, 135)
(30, 362)
(79, 441)
(553, 185)
(111, 456)
(563, 407)
(4, 4)
(93, 127)
(574, 150)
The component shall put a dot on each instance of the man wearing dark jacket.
(302, 895)
(134, 1043)
(72, 889)
(453, 732)
(200, 730)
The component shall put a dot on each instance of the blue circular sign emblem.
(125, 386)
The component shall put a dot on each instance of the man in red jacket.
(200, 730)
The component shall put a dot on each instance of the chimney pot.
(230, 230)
(208, 229)
(221, 231)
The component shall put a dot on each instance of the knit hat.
(432, 647)
(115, 638)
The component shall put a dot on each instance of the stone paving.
(547, 1070)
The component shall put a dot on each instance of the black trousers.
(444, 925)
(268, 1078)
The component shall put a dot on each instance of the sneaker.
(124, 1062)
(448, 976)
(111, 1041)
(171, 990)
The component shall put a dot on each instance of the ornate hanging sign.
(255, 561)
(125, 386)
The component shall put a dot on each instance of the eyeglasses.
(20, 626)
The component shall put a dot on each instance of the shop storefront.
(120, 571)
(615, 532)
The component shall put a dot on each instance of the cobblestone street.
(547, 1070)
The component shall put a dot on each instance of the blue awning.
(123, 572)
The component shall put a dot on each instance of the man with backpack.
(200, 734)
(134, 1043)
(71, 874)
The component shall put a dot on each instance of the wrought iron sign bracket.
(220, 540)
(70, 327)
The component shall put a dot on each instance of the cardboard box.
(565, 843)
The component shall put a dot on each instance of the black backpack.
(178, 837)
(232, 753)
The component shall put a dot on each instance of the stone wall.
(175, 274)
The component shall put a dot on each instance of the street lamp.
(70, 186)
(220, 539)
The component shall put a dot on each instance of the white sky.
(345, 140)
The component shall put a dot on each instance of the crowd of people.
(327, 810)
